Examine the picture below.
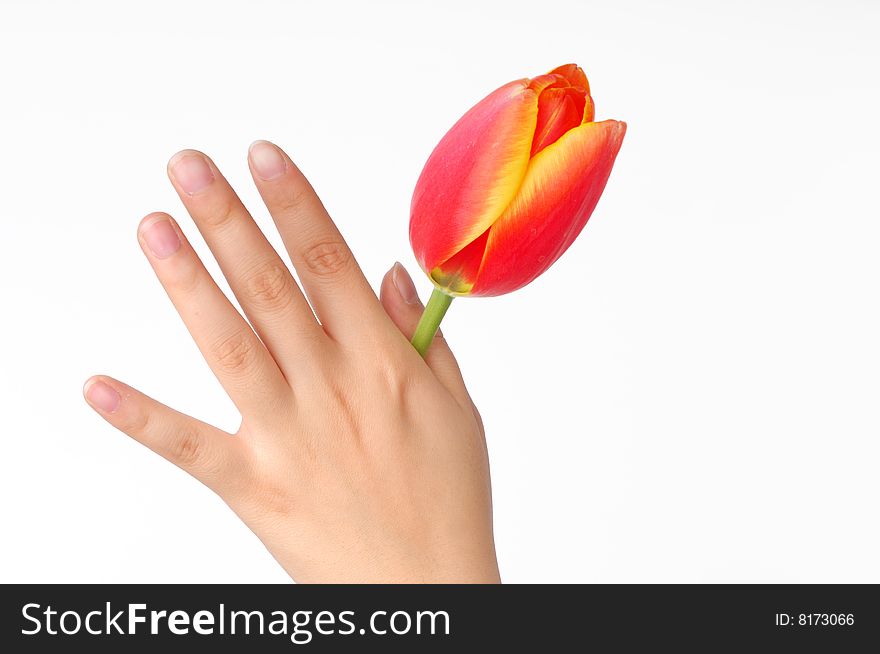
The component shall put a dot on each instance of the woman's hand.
(356, 460)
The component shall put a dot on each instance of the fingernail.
(101, 396)
(267, 160)
(191, 171)
(404, 284)
(161, 237)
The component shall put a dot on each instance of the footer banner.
(340, 618)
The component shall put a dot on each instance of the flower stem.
(430, 320)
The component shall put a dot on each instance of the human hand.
(356, 460)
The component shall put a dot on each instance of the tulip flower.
(509, 188)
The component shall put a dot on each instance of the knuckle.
(139, 424)
(295, 201)
(186, 448)
(222, 214)
(271, 286)
(186, 279)
(328, 258)
(274, 499)
(233, 352)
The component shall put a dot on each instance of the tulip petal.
(589, 109)
(576, 77)
(574, 74)
(541, 82)
(456, 275)
(473, 173)
(559, 110)
(557, 196)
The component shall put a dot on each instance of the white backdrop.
(690, 394)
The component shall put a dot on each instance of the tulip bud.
(508, 189)
(512, 184)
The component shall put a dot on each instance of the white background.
(690, 394)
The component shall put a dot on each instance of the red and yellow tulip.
(512, 184)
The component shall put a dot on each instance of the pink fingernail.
(191, 171)
(267, 160)
(404, 284)
(102, 396)
(161, 237)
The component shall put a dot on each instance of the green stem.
(430, 320)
